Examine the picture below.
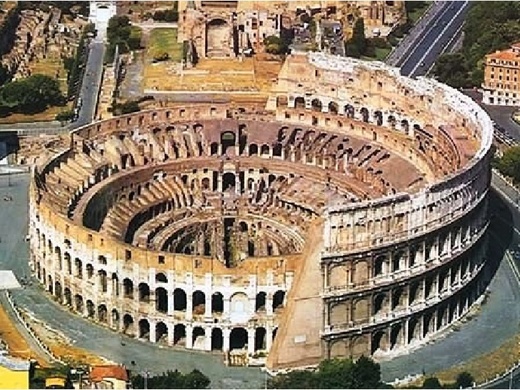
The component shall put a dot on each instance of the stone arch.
(114, 319)
(260, 301)
(205, 183)
(217, 302)
(90, 271)
(228, 181)
(365, 115)
(379, 265)
(91, 311)
(103, 282)
(128, 288)
(179, 334)
(78, 303)
(333, 108)
(395, 336)
(414, 330)
(144, 292)
(217, 339)
(316, 105)
(160, 277)
(102, 313)
(67, 295)
(198, 302)
(238, 338)
(214, 148)
(144, 328)
(161, 332)
(58, 291)
(278, 299)
(349, 110)
(227, 140)
(128, 325)
(253, 149)
(378, 116)
(260, 338)
(379, 341)
(264, 150)
(179, 299)
(78, 268)
(161, 300)
(198, 337)
(299, 102)
(379, 304)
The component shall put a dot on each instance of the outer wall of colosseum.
(350, 218)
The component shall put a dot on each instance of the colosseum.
(346, 216)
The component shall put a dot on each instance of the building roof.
(8, 280)
(14, 364)
(509, 54)
(99, 373)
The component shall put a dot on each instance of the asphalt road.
(91, 83)
(435, 38)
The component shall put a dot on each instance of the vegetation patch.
(163, 45)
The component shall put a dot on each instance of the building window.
(161, 259)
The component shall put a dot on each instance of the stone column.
(250, 341)
(226, 333)
(208, 306)
(170, 302)
(171, 334)
(207, 340)
(268, 338)
(269, 304)
(227, 307)
(189, 307)
(153, 336)
(189, 337)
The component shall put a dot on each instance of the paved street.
(435, 38)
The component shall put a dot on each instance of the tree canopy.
(121, 33)
(30, 95)
(489, 26)
(509, 163)
(333, 374)
(173, 380)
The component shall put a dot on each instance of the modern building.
(501, 85)
(14, 373)
(108, 377)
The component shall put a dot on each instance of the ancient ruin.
(348, 217)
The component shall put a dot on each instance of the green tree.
(32, 94)
(65, 116)
(273, 45)
(452, 70)
(367, 374)
(464, 380)
(509, 163)
(358, 36)
(431, 383)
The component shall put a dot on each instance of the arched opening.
(227, 140)
(179, 334)
(58, 291)
(161, 332)
(161, 300)
(264, 150)
(299, 103)
(198, 338)
(128, 288)
(278, 299)
(205, 184)
(238, 339)
(78, 303)
(228, 181)
(275, 331)
(364, 114)
(179, 299)
(260, 334)
(144, 292)
(377, 342)
(379, 301)
(217, 340)
(395, 336)
(161, 278)
(253, 149)
(199, 302)
(144, 329)
(217, 303)
(349, 111)
(260, 301)
(91, 311)
(90, 271)
(68, 296)
(316, 105)
(214, 148)
(103, 283)
(379, 265)
(102, 313)
(115, 319)
(128, 325)
(333, 108)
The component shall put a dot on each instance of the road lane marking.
(441, 35)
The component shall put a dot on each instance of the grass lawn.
(164, 40)
(381, 54)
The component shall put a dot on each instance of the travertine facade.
(350, 218)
